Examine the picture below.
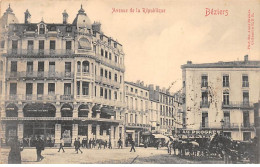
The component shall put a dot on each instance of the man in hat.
(39, 148)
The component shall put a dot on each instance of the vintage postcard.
(129, 81)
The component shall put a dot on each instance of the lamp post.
(222, 125)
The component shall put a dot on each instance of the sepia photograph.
(129, 82)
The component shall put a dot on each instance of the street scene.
(111, 82)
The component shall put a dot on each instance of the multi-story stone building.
(220, 96)
(137, 114)
(60, 79)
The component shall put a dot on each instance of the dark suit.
(39, 147)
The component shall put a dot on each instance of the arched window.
(78, 66)
(66, 110)
(11, 110)
(85, 66)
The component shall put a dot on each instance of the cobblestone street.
(95, 156)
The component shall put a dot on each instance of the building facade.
(137, 114)
(60, 80)
(220, 96)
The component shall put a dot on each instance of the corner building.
(220, 97)
(60, 79)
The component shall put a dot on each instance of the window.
(109, 94)
(204, 81)
(204, 98)
(120, 79)
(29, 88)
(226, 98)
(40, 88)
(246, 122)
(78, 87)
(115, 94)
(13, 88)
(105, 93)
(116, 77)
(41, 46)
(146, 94)
(13, 66)
(116, 59)
(85, 88)
(68, 29)
(101, 72)
(126, 118)
(51, 67)
(142, 93)
(78, 66)
(245, 98)
(68, 45)
(110, 56)
(67, 88)
(102, 52)
(105, 73)
(42, 29)
(226, 118)
(245, 82)
(109, 75)
(67, 67)
(52, 45)
(131, 118)
(205, 120)
(101, 92)
(51, 88)
(135, 90)
(105, 54)
(14, 46)
(85, 66)
(225, 81)
(1, 91)
(132, 89)
(246, 136)
(30, 45)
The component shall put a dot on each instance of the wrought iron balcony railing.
(39, 75)
(40, 52)
(235, 104)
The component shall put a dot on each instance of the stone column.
(57, 134)
(123, 135)
(58, 111)
(2, 133)
(20, 110)
(112, 137)
(20, 131)
(90, 131)
(90, 106)
(98, 113)
(74, 132)
(117, 135)
(97, 131)
(75, 111)
(3, 114)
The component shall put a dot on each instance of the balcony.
(39, 97)
(237, 105)
(137, 125)
(107, 81)
(39, 75)
(204, 104)
(245, 84)
(204, 83)
(40, 52)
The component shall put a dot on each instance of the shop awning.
(107, 111)
(160, 136)
(83, 107)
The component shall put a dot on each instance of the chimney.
(27, 17)
(158, 88)
(65, 17)
(189, 62)
(246, 58)
(151, 87)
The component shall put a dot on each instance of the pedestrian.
(109, 144)
(93, 143)
(120, 143)
(61, 144)
(90, 142)
(105, 144)
(132, 145)
(77, 145)
(157, 144)
(39, 148)
(14, 156)
(99, 144)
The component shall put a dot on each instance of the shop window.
(246, 136)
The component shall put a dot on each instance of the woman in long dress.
(14, 156)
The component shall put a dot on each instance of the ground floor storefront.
(52, 129)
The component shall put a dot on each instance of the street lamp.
(222, 125)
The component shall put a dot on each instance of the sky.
(157, 44)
